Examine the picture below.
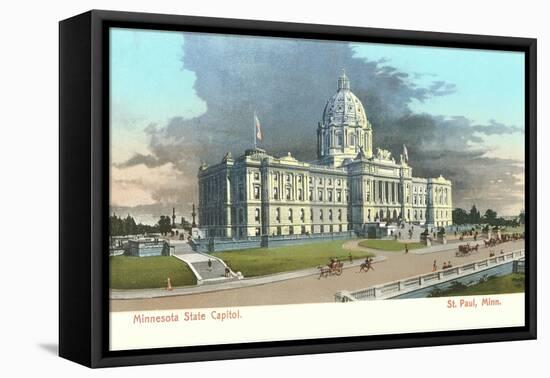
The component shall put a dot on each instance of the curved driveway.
(309, 289)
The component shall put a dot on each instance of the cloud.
(496, 128)
(288, 82)
(441, 88)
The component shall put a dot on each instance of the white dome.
(344, 108)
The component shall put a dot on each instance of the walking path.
(245, 282)
(208, 269)
(310, 289)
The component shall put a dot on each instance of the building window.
(302, 215)
(290, 215)
(311, 215)
(256, 176)
(241, 193)
(310, 180)
(287, 178)
(291, 230)
(339, 196)
(300, 194)
(339, 139)
(321, 214)
(311, 194)
(276, 193)
(330, 181)
(320, 197)
(288, 193)
(278, 214)
(320, 181)
(303, 231)
(330, 215)
(279, 231)
(415, 215)
(340, 215)
(330, 195)
(256, 192)
(257, 215)
(241, 216)
(299, 179)
(257, 231)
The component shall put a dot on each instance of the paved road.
(310, 289)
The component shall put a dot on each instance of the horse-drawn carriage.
(334, 267)
(466, 249)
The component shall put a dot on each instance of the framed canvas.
(235, 188)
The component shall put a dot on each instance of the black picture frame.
(84, 188)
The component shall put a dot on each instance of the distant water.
(471, 279)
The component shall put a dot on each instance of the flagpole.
(254, 128)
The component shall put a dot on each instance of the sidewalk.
(245, 282)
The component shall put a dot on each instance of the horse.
(324, 271)
(365, 266)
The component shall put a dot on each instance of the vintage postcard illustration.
(342, 188)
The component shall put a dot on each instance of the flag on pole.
(257, 127)
(405, 153)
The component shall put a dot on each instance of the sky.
(180, 99)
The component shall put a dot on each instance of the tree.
(490, 217)
(475, 216)
(164, 224)
(522, 217)
(460, 216)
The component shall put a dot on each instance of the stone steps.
(216, 271)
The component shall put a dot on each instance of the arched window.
(339, 139)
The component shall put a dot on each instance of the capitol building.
(350, 187)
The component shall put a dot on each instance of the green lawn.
(148, 272)
(510, 283)
(389, 245)
(263, 261)
(513, 230)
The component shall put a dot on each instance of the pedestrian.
(406, 248)
(209, 265)
(434, 268)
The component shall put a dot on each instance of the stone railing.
(406, 285)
